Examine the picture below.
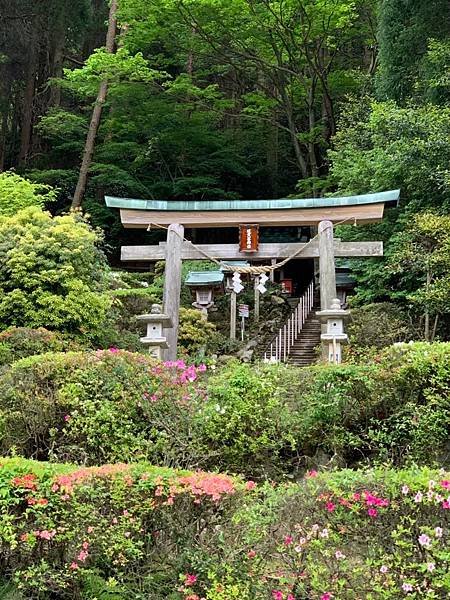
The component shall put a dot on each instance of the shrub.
(264, 421)
(51, 274)
(119, 531)
(194, 332)
(98, 407)
(375, 326)
(19, 342)
(17, 193)
(137, 532)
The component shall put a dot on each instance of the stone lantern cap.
(334, 312)
(156, 316)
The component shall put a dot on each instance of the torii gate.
(318, 212)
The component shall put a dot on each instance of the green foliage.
(17, 193)
(264, 421)
(404, 29)
(20, 342)
(51, 274)
(194, 332)
(375, 326)
(246, 423)
(421, 260)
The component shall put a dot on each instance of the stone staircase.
(297, 339)
(304, 350)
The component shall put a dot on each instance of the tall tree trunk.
(27, 104)
(96, 114)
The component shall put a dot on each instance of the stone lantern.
(334, 335)
(203, 284)
(156, 321)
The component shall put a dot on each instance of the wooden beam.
(266, 251)
(363, 213)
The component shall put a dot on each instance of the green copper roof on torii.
(391, 196)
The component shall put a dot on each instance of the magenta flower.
(190, 579)
(330, 506)
(312, 473)
(66, 418)
(372, 512)
(326, 596)
(114, 350)
(277, 595)
(445, 483)
(288, 540)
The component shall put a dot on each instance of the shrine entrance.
(255, 223)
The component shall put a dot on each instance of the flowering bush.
(135, 532)
(97, 407)
(64, 529)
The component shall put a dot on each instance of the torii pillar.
(327, 269)
(172, 286)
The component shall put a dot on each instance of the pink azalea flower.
(446, 504)
(82, 555)
(201, 368)
(330, 506)
(326, 596)
(114, 350)
(74, 566)
(190, 579)
(372, 512)
(312, 473)
(250, 485)
(445, 483)
(424, 540)
(290, 597)
(288, 540)
(277, 595)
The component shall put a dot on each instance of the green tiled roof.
(280, 203)
(204, 278)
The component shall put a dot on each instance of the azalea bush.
(119, 531)
(137, 532)
(262, 421)
(96, 407)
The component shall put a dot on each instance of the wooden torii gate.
(322, 213)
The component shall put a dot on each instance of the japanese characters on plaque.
(248, 238)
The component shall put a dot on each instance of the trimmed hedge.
(133, 532)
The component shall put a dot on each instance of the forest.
(220, 475)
